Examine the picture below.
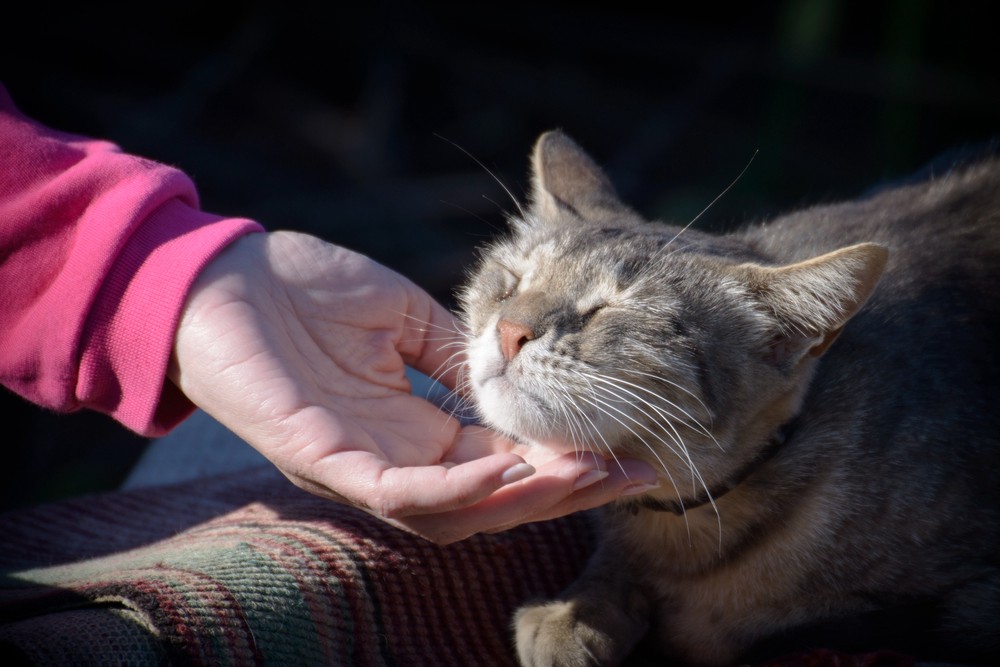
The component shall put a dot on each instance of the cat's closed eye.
(588, 313)
(508, 285)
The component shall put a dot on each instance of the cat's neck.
(680, 505)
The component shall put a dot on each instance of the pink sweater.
(98, 250)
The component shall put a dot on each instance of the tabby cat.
(820, 396)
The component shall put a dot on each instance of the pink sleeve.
(97, 252)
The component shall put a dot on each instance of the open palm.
(299, 347)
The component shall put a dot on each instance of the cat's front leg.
(596, 622)
(571, 633)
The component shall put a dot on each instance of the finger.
(474, 442)
(441, 353)
(439, 489)
(592, 487)
(631, 477)
(368, 481)
(545, 494)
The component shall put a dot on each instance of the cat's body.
(826, 421)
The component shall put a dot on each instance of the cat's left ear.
(566, 179)
(814, 299)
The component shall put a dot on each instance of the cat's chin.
(509, 410)
(506, 409)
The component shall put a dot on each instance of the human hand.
(299, 347)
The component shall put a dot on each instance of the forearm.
(97, 252)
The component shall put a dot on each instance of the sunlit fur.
(697, 354)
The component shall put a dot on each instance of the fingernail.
(588, 478)
(516, 473)
(636, 489)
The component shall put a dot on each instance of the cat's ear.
(814, 299)
(564, 178)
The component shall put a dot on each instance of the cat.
(820, 396)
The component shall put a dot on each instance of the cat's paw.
(555, 635)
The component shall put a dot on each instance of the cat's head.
(592, 329)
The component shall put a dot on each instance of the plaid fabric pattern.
(245, 569)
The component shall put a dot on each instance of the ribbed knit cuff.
(129, 334)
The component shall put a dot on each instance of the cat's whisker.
(667, 417)
(580, 432)
(579, 424)
(611, 452)
(444, 346)
(458, 356)
(460, 345)
(454, 404)
(604, 408)
(456, 338)
(455, 401)
(475, 215)
(595, 430)
(701, 427)
(668, 420)
(696, 476)
(589, 377)
(510, 194)
(713, 202)
(434, 339)
(431, 326)
(690, 421)
(666, 470)
(454, 361)
(570, 418)
(667, 381)
(567, 417)
(681, 450)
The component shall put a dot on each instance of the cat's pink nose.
(513, 336)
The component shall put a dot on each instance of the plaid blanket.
(245, 569)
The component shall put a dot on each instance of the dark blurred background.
(342, 122)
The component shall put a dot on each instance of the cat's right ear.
(813, 300)
(566, 179)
